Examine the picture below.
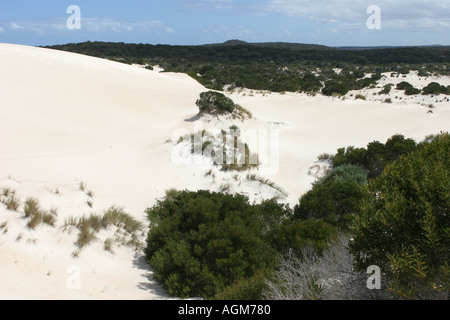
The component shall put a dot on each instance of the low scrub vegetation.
(226, 149)
(383, 205)
(216, 103)
(212, 244)
(254, 177)
(276, 67)
(127, 230)
(435, 88)
(408, 88)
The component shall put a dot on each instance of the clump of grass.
(171, 194)
(127, 229)
(271, 184)
(4, 227)
(120, 219)
(70, 222)
(360, 96)
(242, 113)
(233, 155)
(38, 216)
(31, 207)
(325, 156)
(225, 187)
(8, 198)
(54, 211)
(85, 236)
(108, 244)
(318, 171)
(90, 194)
(49, 219)
(82, 187)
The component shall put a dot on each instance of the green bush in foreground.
(335, 197)
(404, 227)
(201, 242)
(214, 245)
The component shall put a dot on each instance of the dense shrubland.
(403, 225)
(275, 67)
(391, 199)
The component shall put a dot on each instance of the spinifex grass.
(127, 230)
(8, 198)
(36, 215)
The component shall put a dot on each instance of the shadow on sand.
(152, 286)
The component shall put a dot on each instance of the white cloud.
(2, 30)
(207, 4)
(15, 26)
(97, 25)
(236, 32)
(395, 14)
(220, 4)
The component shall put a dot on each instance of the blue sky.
(327, 22)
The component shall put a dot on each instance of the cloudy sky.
(327, 22)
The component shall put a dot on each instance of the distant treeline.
(273, 66)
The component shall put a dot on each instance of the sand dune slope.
(68, 120)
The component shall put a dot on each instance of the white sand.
(68, 119)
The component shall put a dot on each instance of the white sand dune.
(67, 119)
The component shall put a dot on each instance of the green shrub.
(245, 289)
(435, 88)
(215, 103)
(295, 234)
(386, 89)
(408, 88)
(334, 87)
(346, 172)
(335, 200)
(350, 155)
(202, 242)
(376, 156)
(403, 227)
